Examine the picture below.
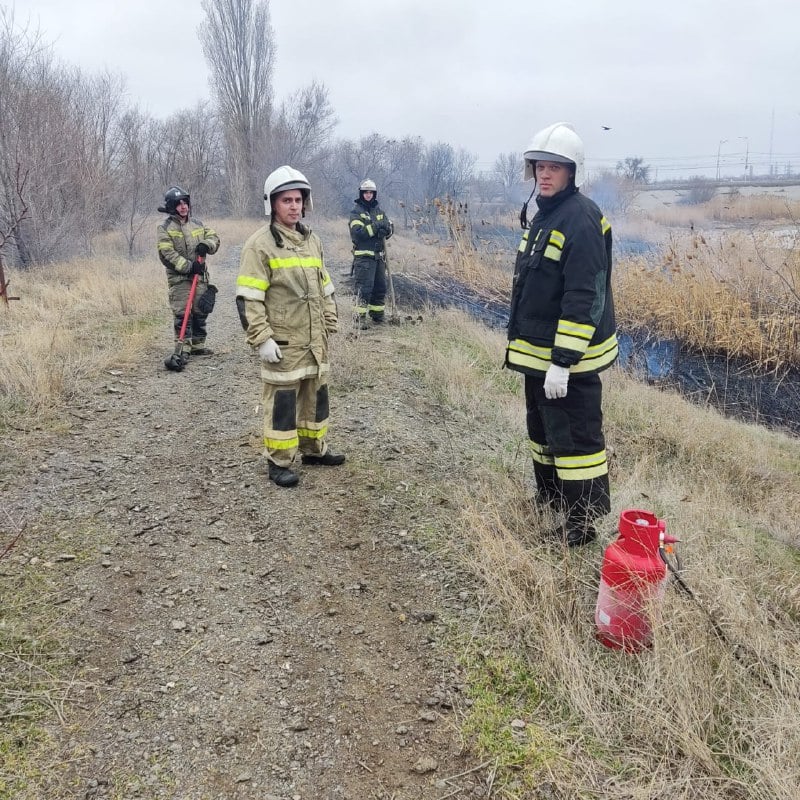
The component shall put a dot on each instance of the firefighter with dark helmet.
(562, 332)
(369, 230)
(183, 243)
(287, 308)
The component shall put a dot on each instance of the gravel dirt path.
(231, 639)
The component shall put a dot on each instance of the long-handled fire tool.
(394, 319)
(175, 362)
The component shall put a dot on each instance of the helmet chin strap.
(523, 215)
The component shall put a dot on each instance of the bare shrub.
(701, 190)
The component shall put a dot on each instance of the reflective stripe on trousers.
(295, 418)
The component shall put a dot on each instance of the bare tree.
(190, 154)
(238, 43)
(394, 165)
(448, 171)
(138, 175)
(408, 180)
(303, 128)
(18, 51)
(507, 170)
(5, 235)
(634, 170)
(60, 127)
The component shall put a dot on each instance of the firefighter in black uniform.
(562, 333)
(369, 230)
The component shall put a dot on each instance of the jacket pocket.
(533, 329)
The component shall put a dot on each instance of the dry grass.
(74, 321)
(464, 257)
(737, 294)
(691, 718)
(730, 208)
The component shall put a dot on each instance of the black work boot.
(572, 536)
(282, 476)
(328, 460)
(544, 500)
(579, 535)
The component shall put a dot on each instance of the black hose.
(745, 656)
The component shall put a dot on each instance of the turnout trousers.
(295, 418)
(196, 327)
(369, 279)
(568, 448)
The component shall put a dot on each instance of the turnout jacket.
(284, 292)
(562, 308)
(177, 243)
(363, 231)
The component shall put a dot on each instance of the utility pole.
(746, 152)
(771, 137)
(719, 149)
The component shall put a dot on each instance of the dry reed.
(738, 295)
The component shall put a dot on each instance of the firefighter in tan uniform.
(286, 304)
(183, 243)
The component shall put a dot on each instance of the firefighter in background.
(183, 244)
(287, 308)
(369, 230)
(562, 332)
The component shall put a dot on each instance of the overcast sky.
(672, 80)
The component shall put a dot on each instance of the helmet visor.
(543, 155)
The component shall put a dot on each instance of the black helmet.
(172, 197)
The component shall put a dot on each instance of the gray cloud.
(671, 80)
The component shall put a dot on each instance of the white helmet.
(559, 143)
(283, 179)
(367, 186)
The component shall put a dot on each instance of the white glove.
(555, 382)
(269, 351)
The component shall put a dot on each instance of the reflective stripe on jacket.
(177, 243)
(362, 229)
(285, 293)
(562, 308)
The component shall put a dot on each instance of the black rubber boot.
(328, 460)
(282, 476)
(545, 501)
(572, 537)
(580, 535)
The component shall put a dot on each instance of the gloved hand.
(201, 249)
(555, 382)
(389, 229)
(198, 267)
(270, 352)
(382, 228)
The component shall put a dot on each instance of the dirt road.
(228, 638)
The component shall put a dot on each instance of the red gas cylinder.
(633, 579)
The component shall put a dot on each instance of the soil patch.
(231, 639)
